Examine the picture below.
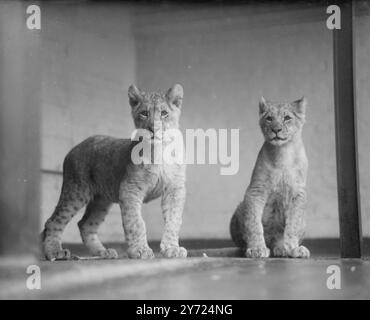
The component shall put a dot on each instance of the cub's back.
(100, 162)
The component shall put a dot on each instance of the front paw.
(174, 252)
(143, 252)
(258, 252)
(108, 254)
(299, 252)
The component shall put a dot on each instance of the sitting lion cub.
(272, 214)
(100, 171)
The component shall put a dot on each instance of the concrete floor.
(236, 278)
(223, 276)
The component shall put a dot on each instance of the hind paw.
(63, 254)
(53, 250)
(299, 252)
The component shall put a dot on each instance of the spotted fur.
(99, 171)
(272, 213)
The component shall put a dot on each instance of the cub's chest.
(165, 173)
(288, 181)
(161, 177)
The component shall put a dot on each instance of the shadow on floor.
(325, 248)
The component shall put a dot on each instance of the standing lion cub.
(99, 172)
(272, 214)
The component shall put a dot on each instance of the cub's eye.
(164, 114)
(144, 114)
(287, 118)
(269, 118)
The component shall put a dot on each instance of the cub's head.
(281, 122)
(156, 111)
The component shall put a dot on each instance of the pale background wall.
(225, 58)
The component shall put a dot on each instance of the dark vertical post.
(345, 133)
(20, 82)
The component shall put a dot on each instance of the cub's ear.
(300, 105)
(175, 94)
(262, 106)
(134, 96)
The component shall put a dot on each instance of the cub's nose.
(155, 129)
(276, 130)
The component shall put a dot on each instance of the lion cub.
(99, 171)
(272, 214)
